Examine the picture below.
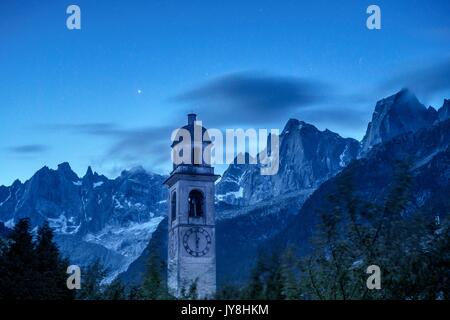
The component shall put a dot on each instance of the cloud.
(134, 146)
(100, 128)
(134, 143)
(28, 149)
(253, 97)
(424, 80)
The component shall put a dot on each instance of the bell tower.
(191, 242)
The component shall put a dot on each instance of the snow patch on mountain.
(127, 241)
(10, 223)
(98, 184)
(231, 195)
(61, 225)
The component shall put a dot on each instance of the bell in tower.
(191, 241)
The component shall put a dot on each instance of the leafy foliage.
(409, 248)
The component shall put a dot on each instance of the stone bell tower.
(192, 238)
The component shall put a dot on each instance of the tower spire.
(192, 117)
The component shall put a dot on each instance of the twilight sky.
(110, 94)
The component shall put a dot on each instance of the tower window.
(173, 206)
(195, 203)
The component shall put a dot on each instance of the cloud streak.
(149, 145)
(28, 149)
(253, 97)
(424, 80)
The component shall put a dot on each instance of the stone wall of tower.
(183, 268)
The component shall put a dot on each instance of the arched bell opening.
(196, 204)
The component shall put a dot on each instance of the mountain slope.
(427, 151)
(308, 157)
(93, 217)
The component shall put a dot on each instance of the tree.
(91, 279)
(51, 267)
(115, 291)
(289, 265)
(332, 271)
(267, 280)
(154, 287)
(192, 293)
(408, 246)
(274, 279)
(32, 270)
(255, 288)
(228, 292)
(19, 278)
(134, 293)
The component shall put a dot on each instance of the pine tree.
(255, 288)
(91, 279)
(19, 278)
(289, 274)
(154, 287)
(274, 283)
(192, 293)
(115, 291)
(32, 270)
(134, 293)
(50, 267)
(228, 292)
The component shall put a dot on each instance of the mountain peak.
(64, 166)
(291, 123)
(399, 113)
(42, 171)
(405, 91)
(407, 98)
(89, 176)
(444, 111)
(295, 125)
(89, 171)
(16, 183)
(65, 170)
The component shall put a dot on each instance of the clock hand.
(197, 240)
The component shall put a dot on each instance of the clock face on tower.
(197, 241)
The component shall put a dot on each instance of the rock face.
(3, 230)
(93, 216)
(427, 151)
(308, 157)
(394, 115)
(444, 111)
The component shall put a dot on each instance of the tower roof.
(191, 127)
